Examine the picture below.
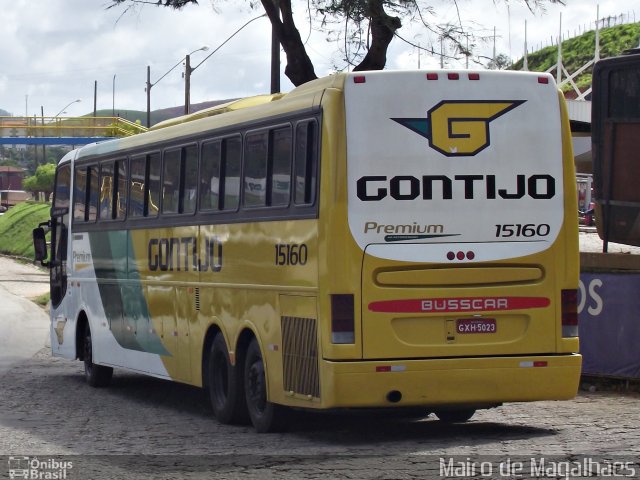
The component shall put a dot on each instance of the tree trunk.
(383, 28)
(299, 68)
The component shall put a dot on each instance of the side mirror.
(40, 245)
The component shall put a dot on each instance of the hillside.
(16, 226)
(579, 50)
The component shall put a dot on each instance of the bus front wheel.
(265, 416)
(96, 375)
(225, 385)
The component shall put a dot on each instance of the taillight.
(342, 319)
(569, 313)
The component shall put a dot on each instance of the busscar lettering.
(184, 254)
(373, 188)
(464, 304)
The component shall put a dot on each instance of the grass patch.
(579, 50)
(42, 300)
(16, 226)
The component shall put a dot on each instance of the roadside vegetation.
(579, 50)
(16, 226)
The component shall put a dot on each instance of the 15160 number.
(291, 254)
(522, 230)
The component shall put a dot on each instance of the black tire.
(455, 416)
(226, 386)
(97, 375)
(265, 416)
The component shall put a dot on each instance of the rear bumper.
(468, 381)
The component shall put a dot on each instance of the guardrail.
(68, 127)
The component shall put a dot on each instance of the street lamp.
(67, 106)
(149, 84)
(188, 70)
(113, 97)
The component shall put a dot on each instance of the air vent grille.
(300, 356)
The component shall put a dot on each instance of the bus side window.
(171, 181)
(190, 183)
(280, 181)
(121, 189)
(230, 173)
(93, 193)
(153, 190)
(106, 191)
(305, 162)
(210, 176)
(136, 196)
(80, 194)
(255, 169)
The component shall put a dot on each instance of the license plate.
(476, 325)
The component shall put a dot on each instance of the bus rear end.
(452, 283)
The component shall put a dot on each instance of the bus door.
(59, 235)
(62, 342)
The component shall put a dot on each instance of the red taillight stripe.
(458, 304)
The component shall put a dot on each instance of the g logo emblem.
(459, 128)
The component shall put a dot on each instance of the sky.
(52, 52)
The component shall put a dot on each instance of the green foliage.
(8, 162)
(579, 50)
(16, 226)
(42, 181)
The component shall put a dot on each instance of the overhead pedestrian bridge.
(64, 130)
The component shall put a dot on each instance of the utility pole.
(187, 84)
(44, 151)
(275, 58)
(525, 62)
(559, 66)
(148, 90)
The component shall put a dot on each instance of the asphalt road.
(24, 326)
(141, 427)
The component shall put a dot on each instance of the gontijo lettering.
(183, 254)
(407, 187)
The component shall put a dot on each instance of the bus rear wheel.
(226, 387)
(455, 416)
(265, 416)
(96, 375)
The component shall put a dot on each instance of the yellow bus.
(374, 239)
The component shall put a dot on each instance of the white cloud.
(54, 50)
